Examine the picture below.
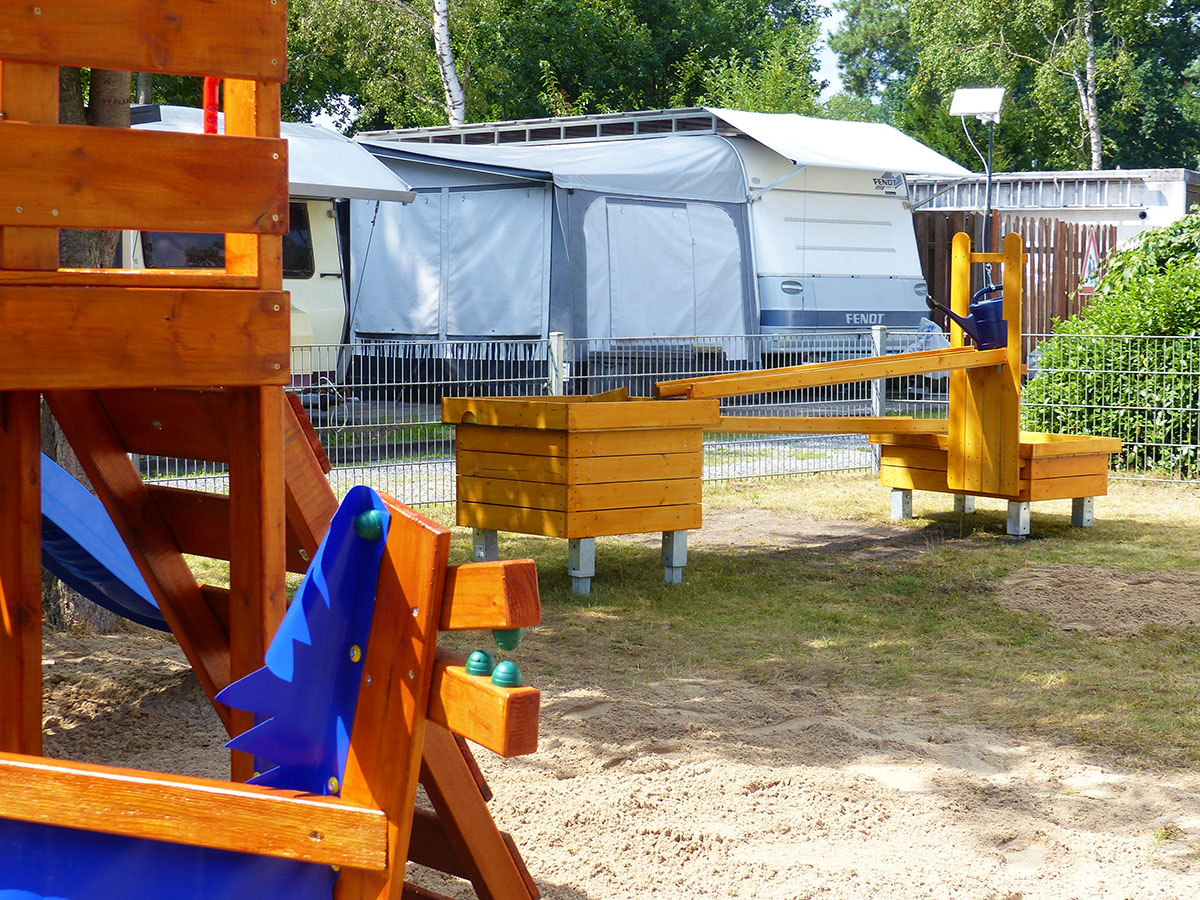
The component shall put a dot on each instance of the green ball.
(480, 662)
(369, 525)
(506, 674)
(508, 638)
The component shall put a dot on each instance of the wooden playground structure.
(193, 364)
(510, 451)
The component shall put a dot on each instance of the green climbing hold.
(506, 674)
(508, 638)
(369, 525)
(480, 662)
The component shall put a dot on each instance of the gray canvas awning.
(322, 164)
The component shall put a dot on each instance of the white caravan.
(690, 222)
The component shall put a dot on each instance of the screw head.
(332, 784)
(355, 653)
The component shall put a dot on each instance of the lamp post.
(983, 104)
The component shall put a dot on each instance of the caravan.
(694, 222)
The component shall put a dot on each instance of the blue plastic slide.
(81, 546)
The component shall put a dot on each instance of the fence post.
(878, 387)
(555, 354)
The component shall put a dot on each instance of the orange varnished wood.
(468, 825)
(417, 892)
(226, 38)
(257, 538)
(154, 337)
(491, 595)
(310, 433)
(106, 463)
(505, 720)
(181, 423)
(28, 93)
(76, 176)
(199, 522)
(213, 279)
(310, 500)
(20, 574)
(389, 722)
(195, 811)
(252, 108)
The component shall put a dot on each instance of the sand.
(722, 788)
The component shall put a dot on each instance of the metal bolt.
(274, 156)
(20, 209)
(276, 366)
(37, 10)
(275, 218)
(276, 307)
(274, 62)
(304, 554)
(54, 212)
(411, 674)
(332, 784)
(355, 653)
(415, 611)
(156, 425)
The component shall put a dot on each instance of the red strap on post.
(212, 103)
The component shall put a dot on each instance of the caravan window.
(183, 250)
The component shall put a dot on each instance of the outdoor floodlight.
(982, 103)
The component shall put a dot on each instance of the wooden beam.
(199, 522)
(310, 500)
(252, 108)
(565, 414)
(842, 371)
(174, 422)
(491, 595)
(505, 720)
(257, 538)
(141, 526)
(198, 812)
(468, 826)
(212, 279)
(383, 763)
(224, 38)
(153, 337)
(828, 425)
(77, 176)
(20, 573)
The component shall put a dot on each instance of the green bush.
(1128, 365)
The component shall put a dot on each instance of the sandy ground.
(720, 788)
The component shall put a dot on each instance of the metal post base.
(1018, 518)
(485, 544)
(1082, 512)
(674, 555)
(581, 564)
(901, 503)
(963, 504)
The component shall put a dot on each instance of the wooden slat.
(505, 720)
(198, 812)
(541, 442)
(582, 470)
(570, 415)
(28, 93)
(433, 848)
(915, 458)
(252, 108)
(310, 433)
(837, 372)
(213, 279)
(468, 826)
(20, 574)
(257, 538)
(491, 595)
(310, 500)
(597, 523)
(225, 38)
(631, 496)
(154, 551)
(76, 176)
(180, 423)
(1037, 444)
(116, 337)
(389, 721)
(828, 425)
(1063, 488)
(1065, 466)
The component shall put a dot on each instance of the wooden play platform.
(192, 364)
(580, 468)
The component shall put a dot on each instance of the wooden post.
(28, 93)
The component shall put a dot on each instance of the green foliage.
(781, 79)
(1107, 371)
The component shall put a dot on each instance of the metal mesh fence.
(377, 406)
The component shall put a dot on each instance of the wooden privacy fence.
(1057, 250)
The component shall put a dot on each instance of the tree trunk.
(1087, 90)
(456, 103)
(145, 88)
(109, 107)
